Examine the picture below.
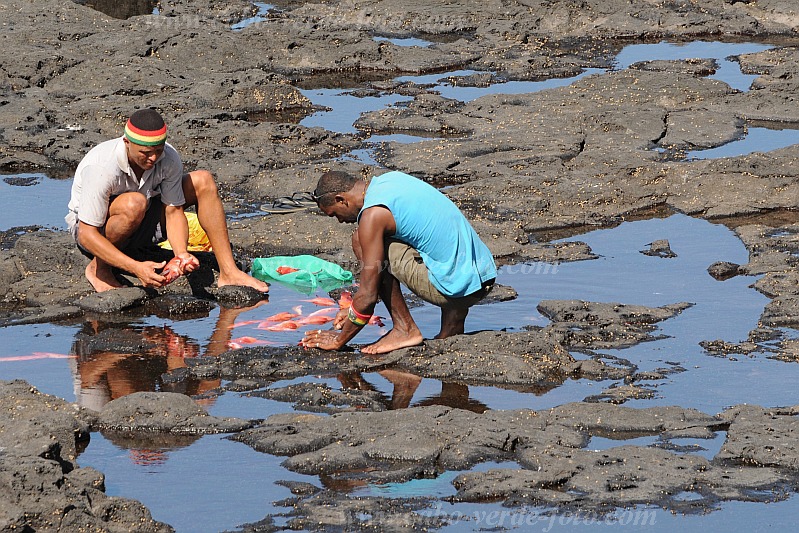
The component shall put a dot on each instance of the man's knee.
(199, 182)
(130, 205)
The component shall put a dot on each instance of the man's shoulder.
(171, 157)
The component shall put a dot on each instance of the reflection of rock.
(722, 270)
(659, 248)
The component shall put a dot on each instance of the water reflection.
(113, 362)
(122, 10)
(405, 386)
(28, 200)
(759, 137)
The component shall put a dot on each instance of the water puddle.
(405, 41)
(345, 106)
(763, 138)
(261, 14)
(122, 10)
(33, 200)
(241, 487)
(621, 274)
(729, 71)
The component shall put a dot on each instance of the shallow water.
(29, 200)
(345, 108)
(228, 483)
(166, 480)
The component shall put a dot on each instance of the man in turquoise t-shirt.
(408, 232)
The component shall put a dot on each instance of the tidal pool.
(228, 483)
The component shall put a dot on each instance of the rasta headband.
(145, 137)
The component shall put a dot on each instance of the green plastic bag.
(312, 273)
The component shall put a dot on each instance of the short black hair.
(332, 183)
(147, 119)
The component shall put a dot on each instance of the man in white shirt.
(125, 187)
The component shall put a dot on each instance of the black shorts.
(143, 237)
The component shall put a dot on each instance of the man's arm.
(177, 231)
(375, 224)
(96, 243)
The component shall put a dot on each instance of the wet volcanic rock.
(41, 486)
(164, 412)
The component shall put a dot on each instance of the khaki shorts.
(405, 264)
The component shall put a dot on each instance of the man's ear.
(341, 200)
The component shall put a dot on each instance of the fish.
(345, 301)
(325, 311)
(287, 325)
(238, 343)
(244, 340)
(376, 321)
(281, 317)
(286, 270)
(244, 323)
(322, 301)
(37, 355)
(318, 319)
(172, 270)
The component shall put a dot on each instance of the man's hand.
(341, 318)
(324, 340)
(188, 263)
(146, 272)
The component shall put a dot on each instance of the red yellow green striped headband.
(145, 137)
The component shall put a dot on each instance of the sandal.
(304, 198)
(283, 205)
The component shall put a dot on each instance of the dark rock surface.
(41, 486)
(605, 149)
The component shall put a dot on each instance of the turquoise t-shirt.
(457, 260)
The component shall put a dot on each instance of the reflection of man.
(124, 188)
(102, 375)
(405, 385)
(427, 244)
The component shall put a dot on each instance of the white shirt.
(105, 172)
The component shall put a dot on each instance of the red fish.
(243, 323)
(288, 325)
(345, 301)
(318, 319)
(376, 321)
(37, 355)
(286, 270)
(244, 340)
(172, 270)
(281, 317)
(322, 301)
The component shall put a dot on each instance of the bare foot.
(393, 340)
(101, 279)
(241, 278)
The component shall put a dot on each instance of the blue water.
(260, 16)
(407, 41)
(729, 70)
(44, 203)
